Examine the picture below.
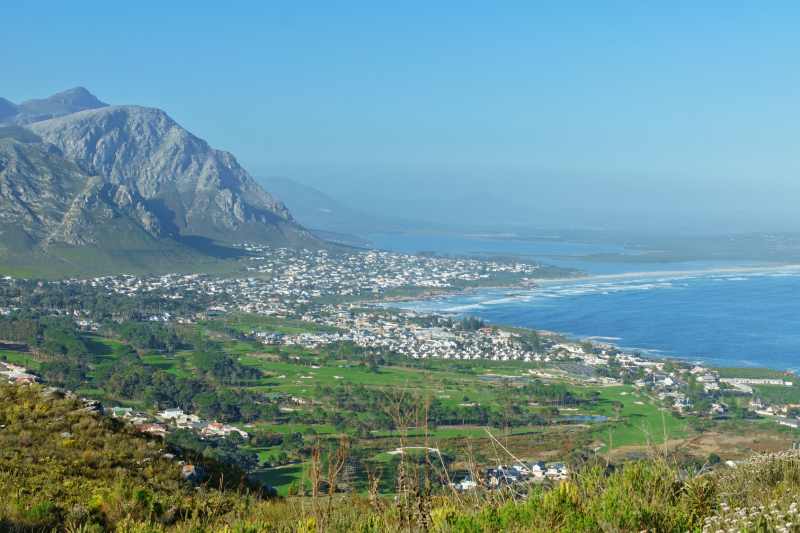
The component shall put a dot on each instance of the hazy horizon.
(678, 117)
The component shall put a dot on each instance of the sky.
(662, 116)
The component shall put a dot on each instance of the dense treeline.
(132, 379)
(149, 336)
(72, 359)
(51, 334)
(216, 365)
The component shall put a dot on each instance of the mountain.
(7, 110)
(328, 216)
(325, 216)
(199, 191)
(126, 181)
(60, 104)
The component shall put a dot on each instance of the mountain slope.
(63, 103)
(68, 466)
(197, 190)
(103, 188)
(57, 219)
(36, 187)
(7, 110)
(320, 212)
(65, 468)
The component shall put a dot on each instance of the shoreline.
(644, 353)
(645, 275)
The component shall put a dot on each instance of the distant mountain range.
(330, 218)
(85, 186)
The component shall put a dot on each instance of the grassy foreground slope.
(65, 469)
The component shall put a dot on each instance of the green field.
(304, 387)
(778, 394)
(296, 372)
(21, 359)
(753, 373)
(282, 477)
(638, 421)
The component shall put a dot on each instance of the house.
(24, 379)
(718, 409)
(756, 404)
(179, 418)
(121, 412)
(217, 429)
(557, 471)
(497, 477)
(521, 469)
(156, 430)
(465, 485)
(170, 414)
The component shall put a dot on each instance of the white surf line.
(666, 274)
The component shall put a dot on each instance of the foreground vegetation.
(65, 468)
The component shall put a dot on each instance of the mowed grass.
(289, 428)
(753, 373)
(21, 359)
(639, 420)
(102, 348)
(282, 477)
(293, 378)
(454, 432)
(778, 394)
(176, 365)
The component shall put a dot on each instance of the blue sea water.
(723, 314)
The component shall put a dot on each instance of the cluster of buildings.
(370, 271)
(675, 383)
(403, 333)
(518, 473)
(171, 419)
(281, 281)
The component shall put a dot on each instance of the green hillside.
(63, 468)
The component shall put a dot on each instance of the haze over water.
(723, 313)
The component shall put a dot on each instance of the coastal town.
(284, 281)
(347, 296)
(348, 299)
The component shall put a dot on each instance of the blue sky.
(592, 114)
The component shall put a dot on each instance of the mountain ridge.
(66, 179)
(60, 104)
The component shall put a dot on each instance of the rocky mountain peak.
(60, 104)
(206, 191)
(75, 171)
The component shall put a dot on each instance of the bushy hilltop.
(64, 467)
(81, 179)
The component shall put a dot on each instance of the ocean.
(721, 313)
